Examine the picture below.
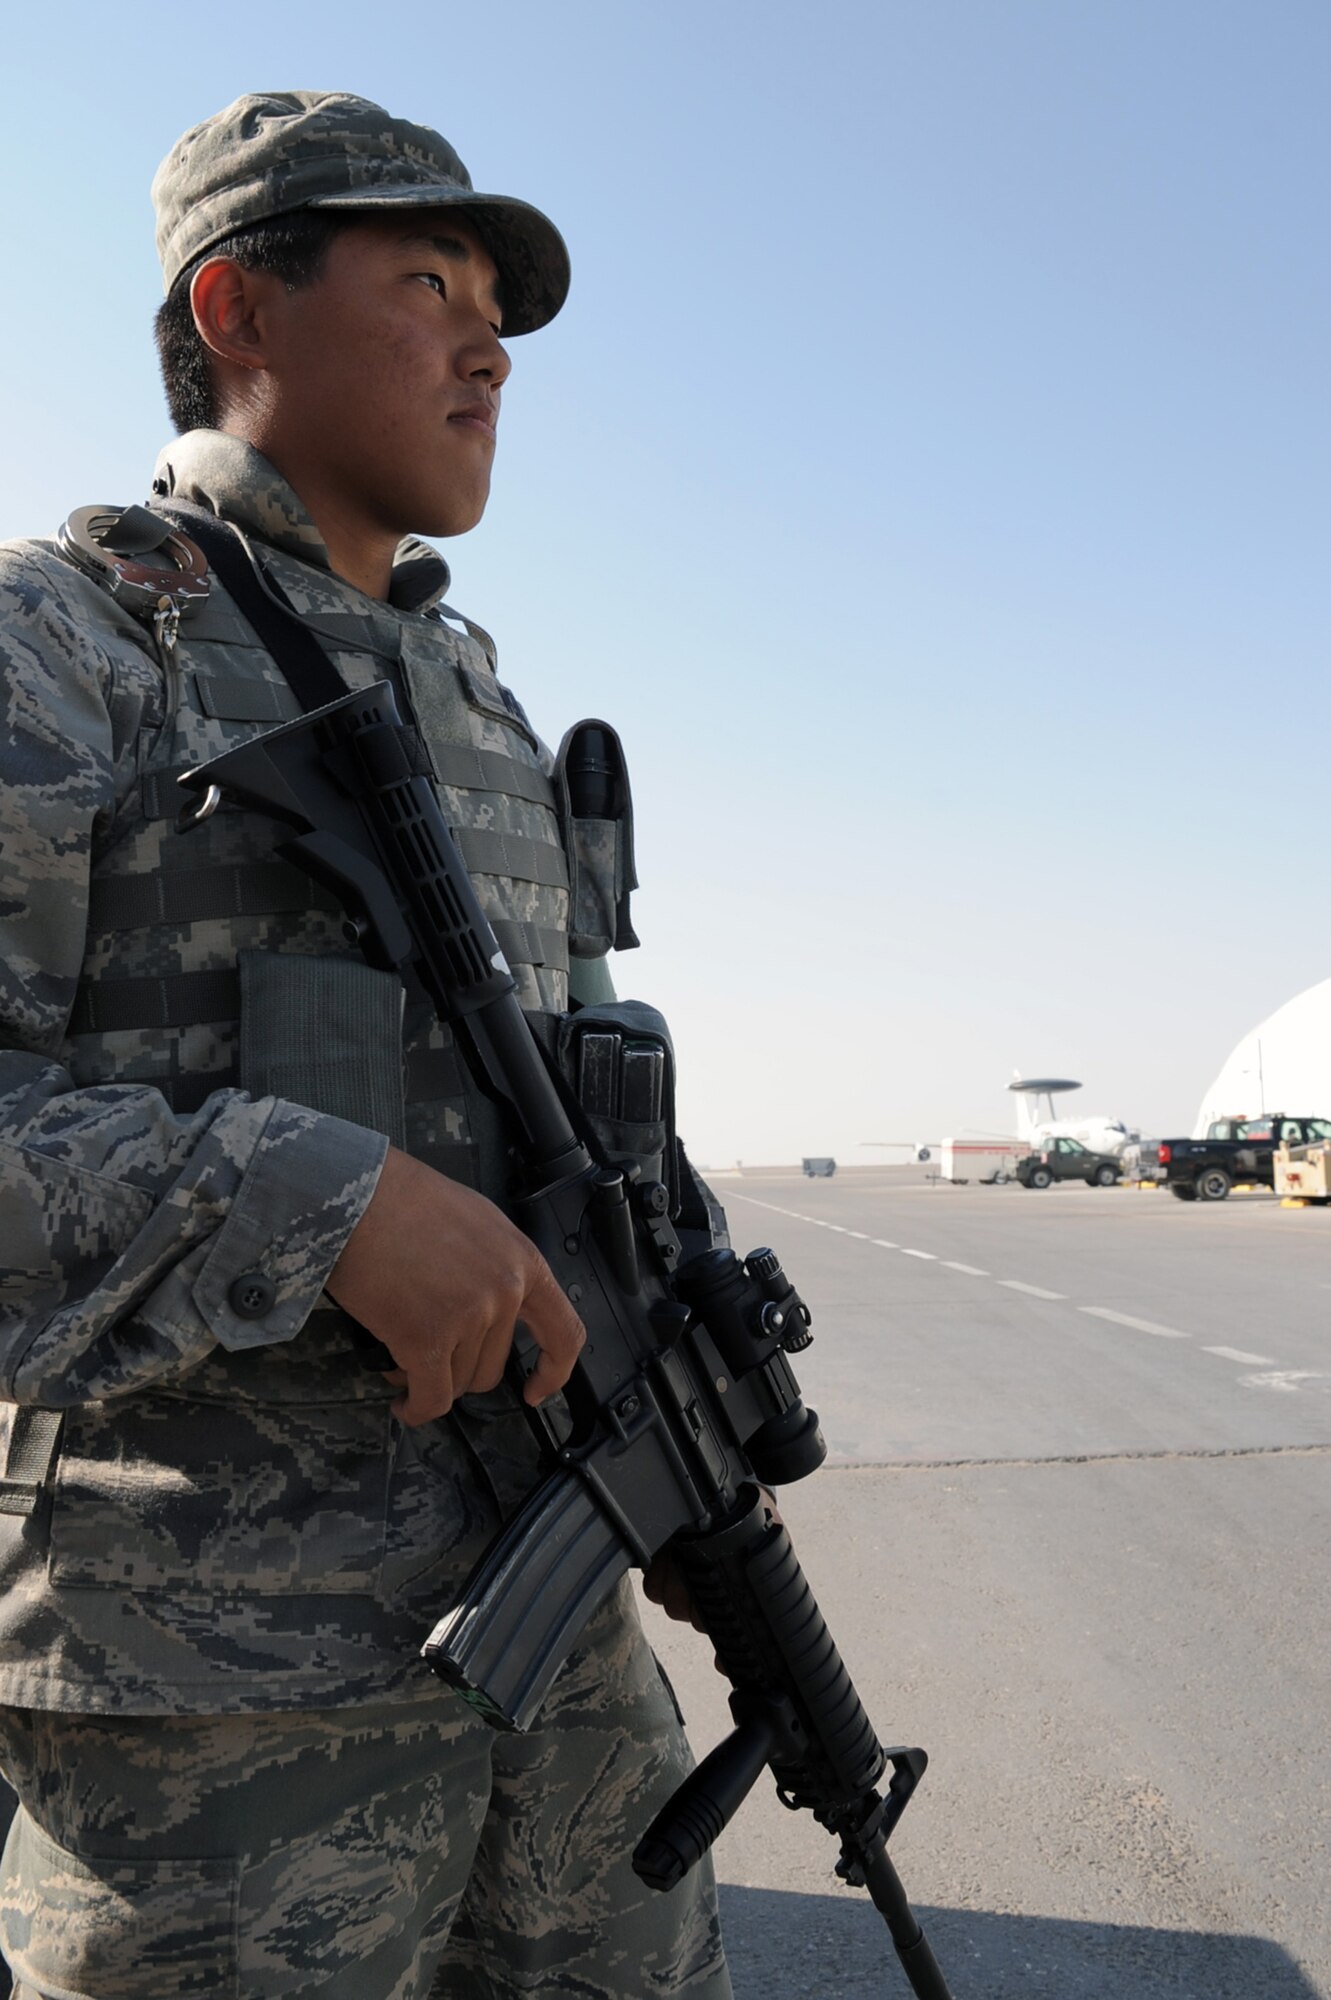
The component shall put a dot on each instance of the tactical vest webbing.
(212, 964)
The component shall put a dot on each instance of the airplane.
(1037, 1122)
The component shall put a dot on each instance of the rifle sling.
(309, 672)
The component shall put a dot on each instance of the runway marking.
(820, 1222)
(1137, 1325)
(793, 1213)
(1283, 1381)
(1288, 1381)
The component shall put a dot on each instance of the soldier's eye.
(433, 278)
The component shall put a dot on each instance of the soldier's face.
(391, 368)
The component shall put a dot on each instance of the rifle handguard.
(747, 1586)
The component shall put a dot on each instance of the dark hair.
(291, 247)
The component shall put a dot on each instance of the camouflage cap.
(279, 150)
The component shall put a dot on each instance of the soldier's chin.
(455, 512)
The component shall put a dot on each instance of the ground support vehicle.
(989, 1161)
(1140, 1165)
(819, 1167)
(1303, 1173)
(1068, 1160)
(1235, 1152)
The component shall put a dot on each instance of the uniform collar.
(236, 482)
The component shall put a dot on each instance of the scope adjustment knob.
(798, 1333)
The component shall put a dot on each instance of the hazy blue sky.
(928, 474)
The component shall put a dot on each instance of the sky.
(928, 477)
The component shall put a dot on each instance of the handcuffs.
(108, 544)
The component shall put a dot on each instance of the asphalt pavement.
(1073, 1538)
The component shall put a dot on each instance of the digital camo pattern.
(602, 874)
(288, 1855)
(274, 151)
(215, 474)
(110, 1205)
(553, 1906)
(233, 1519)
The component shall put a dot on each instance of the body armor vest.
(241, 974)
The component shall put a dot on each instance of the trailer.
(990, 1161)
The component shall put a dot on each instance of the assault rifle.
(683, 1404)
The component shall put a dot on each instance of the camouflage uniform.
(237, 1776)
(330, 1852)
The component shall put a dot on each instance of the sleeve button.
(252, 1295)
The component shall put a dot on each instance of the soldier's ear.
(228, 306)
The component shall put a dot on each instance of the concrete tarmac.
(1073, 1538)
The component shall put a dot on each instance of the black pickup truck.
(1068, 1160)
(1234, 1150)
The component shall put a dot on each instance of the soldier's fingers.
(660, 1579)
(428, 1394)
(559, 1334)
(485, 1367)
(664, 1585)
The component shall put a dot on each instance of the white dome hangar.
(1283, 1064)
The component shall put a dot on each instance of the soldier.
(226, 1151)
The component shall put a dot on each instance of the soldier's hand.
(441, 1277)
(663, 1581)
(663, 1584)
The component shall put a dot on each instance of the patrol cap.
(275, 151)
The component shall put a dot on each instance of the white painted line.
(1137, 1325)
(1287, 1380)
(820, 1222)
(776, 1209)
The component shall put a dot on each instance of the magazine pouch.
(619, 1062)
